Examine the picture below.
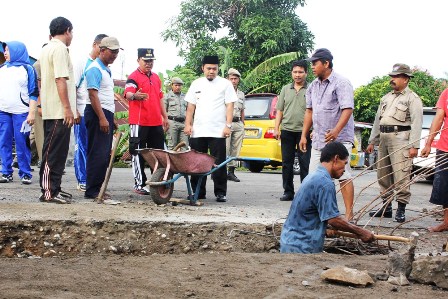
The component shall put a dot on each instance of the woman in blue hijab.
(18, 102)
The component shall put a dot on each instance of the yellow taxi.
(260, 148)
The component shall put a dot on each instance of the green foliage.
(123, 145)
(255, 31)
(260, 77)
(119, 90)
(187, 75)
(427, 87)
(121, 115)
(367, 98)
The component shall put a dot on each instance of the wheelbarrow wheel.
(161, 194)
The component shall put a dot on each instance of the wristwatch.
(229, 126)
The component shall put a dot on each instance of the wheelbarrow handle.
(179, 145)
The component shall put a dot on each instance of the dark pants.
(99, 145)
(54, 156)
(217, 148)
(150, 137)
(290, 145)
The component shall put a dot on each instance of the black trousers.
(290, 145)
(54, 156)
(217, 147)
(99, 145)
(150, 137)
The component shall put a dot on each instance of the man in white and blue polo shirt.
(99, 117)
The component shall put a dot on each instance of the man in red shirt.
(440, 184)
(147, 114)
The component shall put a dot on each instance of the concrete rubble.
(348, 276)
(431, 270)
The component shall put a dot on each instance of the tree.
(256, 31)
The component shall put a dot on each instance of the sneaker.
(141, 190)
(6, 178)
(59, 200)
(82, 187)
(26, 180)
(221, 198)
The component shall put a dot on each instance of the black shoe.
(286, 197)
(221, 198)
(232, 177)
(400, 214)
(379, 212)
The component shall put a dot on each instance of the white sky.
(365, 37)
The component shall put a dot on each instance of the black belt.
(236, 119)
(392, 129)
(178, 119)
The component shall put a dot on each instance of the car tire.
(255, 166)
(296, 166)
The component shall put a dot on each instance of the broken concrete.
(348, 276)
(431, 270)
(400, 262)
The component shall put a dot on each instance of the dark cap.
(146, 53)
(99, 38)
(210, 59)
(401, 69)
(321, 53)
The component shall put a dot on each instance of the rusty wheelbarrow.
(168, 166)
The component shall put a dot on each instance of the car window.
(427, 119)
(257, 107)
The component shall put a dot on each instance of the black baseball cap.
(321, 53)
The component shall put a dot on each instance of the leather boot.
(379, 212)
(400, 214)
(231, 175)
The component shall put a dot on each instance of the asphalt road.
(255, 198)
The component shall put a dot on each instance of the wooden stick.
(185, 201)
(378, 237)
(109, 168)
(179, 145)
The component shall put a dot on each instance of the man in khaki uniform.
(397, 123)
(176, 106)
(235, 140)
